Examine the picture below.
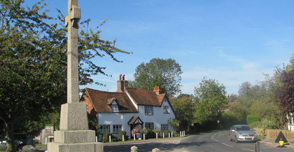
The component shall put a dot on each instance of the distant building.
(128, 108)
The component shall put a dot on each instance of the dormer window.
(114, 106)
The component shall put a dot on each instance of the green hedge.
(150, 134)
(251, 118)
(106, 137)
(122, 133)
(166, 133)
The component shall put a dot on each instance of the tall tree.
(286, 93)
(33, 61)
(164, 73)
(212, 100)
(183, 106)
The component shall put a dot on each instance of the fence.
(273, 134)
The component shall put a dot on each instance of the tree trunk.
(10, 138)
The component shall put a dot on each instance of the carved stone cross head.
(74, 14)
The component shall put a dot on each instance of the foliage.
(228, 119)
(150, 134)
(156, 131)
(164, 73)
(121, 133)
(174, 123)
(144, 131)
(93, 124)
(285, 93)
(105, 137)
(212, 100)
(256, 124)
(252, 118)
(166, 133)
(135, 131)
(267, 124)
(33, 61)
(184, 109)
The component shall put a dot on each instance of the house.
(128, 108)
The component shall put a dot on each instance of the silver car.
(242, 133)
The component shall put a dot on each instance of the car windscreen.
(243, 128)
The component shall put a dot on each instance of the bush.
(255, 124)
(122, 133)
(267, 124)
(166, 133)
(156, 131)
(106, 137)
(251, 118)
(150, 134)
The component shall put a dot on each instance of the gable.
(144, 97)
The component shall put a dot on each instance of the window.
(166, 110)
(104, 128)
(164, 127)
(114, 108)
(148, 110)
(116, 128)
(149, 125)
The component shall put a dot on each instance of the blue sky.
(231, 41)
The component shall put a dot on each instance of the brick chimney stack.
(156, 89)
(122, 84)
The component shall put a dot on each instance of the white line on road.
(227, 144)
(247, 149)
(216, 140)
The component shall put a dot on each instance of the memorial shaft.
(72, 19)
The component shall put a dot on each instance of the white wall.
(157, 118)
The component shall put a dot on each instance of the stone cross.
(71, 22)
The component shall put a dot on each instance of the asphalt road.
(206, 142)
(219, 142)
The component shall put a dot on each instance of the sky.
(231, 41)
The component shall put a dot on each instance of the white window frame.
(114, 108)
(104, 129)
(150, 125)
(166, 110)
(116, 128)
(149, 110)
(164, 127)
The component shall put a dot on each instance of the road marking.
(216, 140)
(247, 149)
(227, 144)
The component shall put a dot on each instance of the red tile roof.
(145, 97)
(102, 99)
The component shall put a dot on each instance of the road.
(219, 142)
(206, 142)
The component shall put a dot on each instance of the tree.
(212, 100)
(33, 62)
(184, 109)
(285, 93)
(164, 73)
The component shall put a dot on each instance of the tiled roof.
(145, 97)
(133, 120)
(101, 99)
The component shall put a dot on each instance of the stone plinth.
(76, 147)
(74, 135)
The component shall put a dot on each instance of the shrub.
(251, 118)
(150, 134)
(122, 133)
(135, 131)
(144, 131)
(156, 131)
(255, 124)
(106, 137)
(166, 133)
(267, 124)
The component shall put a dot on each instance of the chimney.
(156, 89)
(122, 84)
